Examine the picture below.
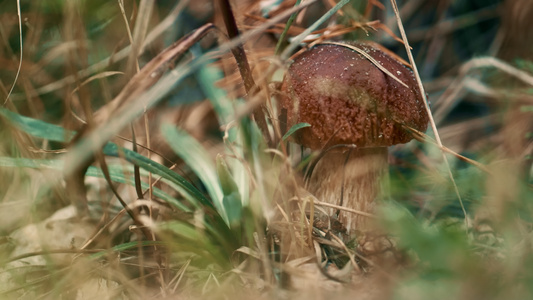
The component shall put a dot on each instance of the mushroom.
(357, 100)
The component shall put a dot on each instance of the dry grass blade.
(459, 84)
(150, 73)
(102, 229)
(424, 138)
(153, 70)
(179, 276)
(107, 126)
(500, 65)
(128, 29)
(298, 39)
(75, 166)
(320, 203)
(133, 215)
(139, 34)
(103, 64)
(95, 77)
(20, 58)
(428, 110)
(370, 58)
(341, 243)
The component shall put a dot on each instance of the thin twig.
(244, 66)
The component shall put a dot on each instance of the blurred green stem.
(282, 42)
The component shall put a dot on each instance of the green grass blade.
(281, 41)
(14, 162)
(56, 133)
(197, 158)
(299, 38)
(117, 175)
(294, 129)
(221, 104)
(126, 246)
(37, 128)
(116, 172)
(189, 192)
(225, 112)
(232, 199)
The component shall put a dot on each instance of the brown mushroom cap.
(348, 100)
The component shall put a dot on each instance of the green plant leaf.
(232, 198)
(14, 162)
(37, 128)
(217, 96)
(56, 133)
(116, 172)
(225, 111)
(188, 237)
(442, 246)
(117, 175)
(188, 191)
(293, 129)
(185, 231)
(126, 246)
(226, 179)
(197, 158)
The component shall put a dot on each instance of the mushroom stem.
(351, 179)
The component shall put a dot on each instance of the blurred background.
(466, 238)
